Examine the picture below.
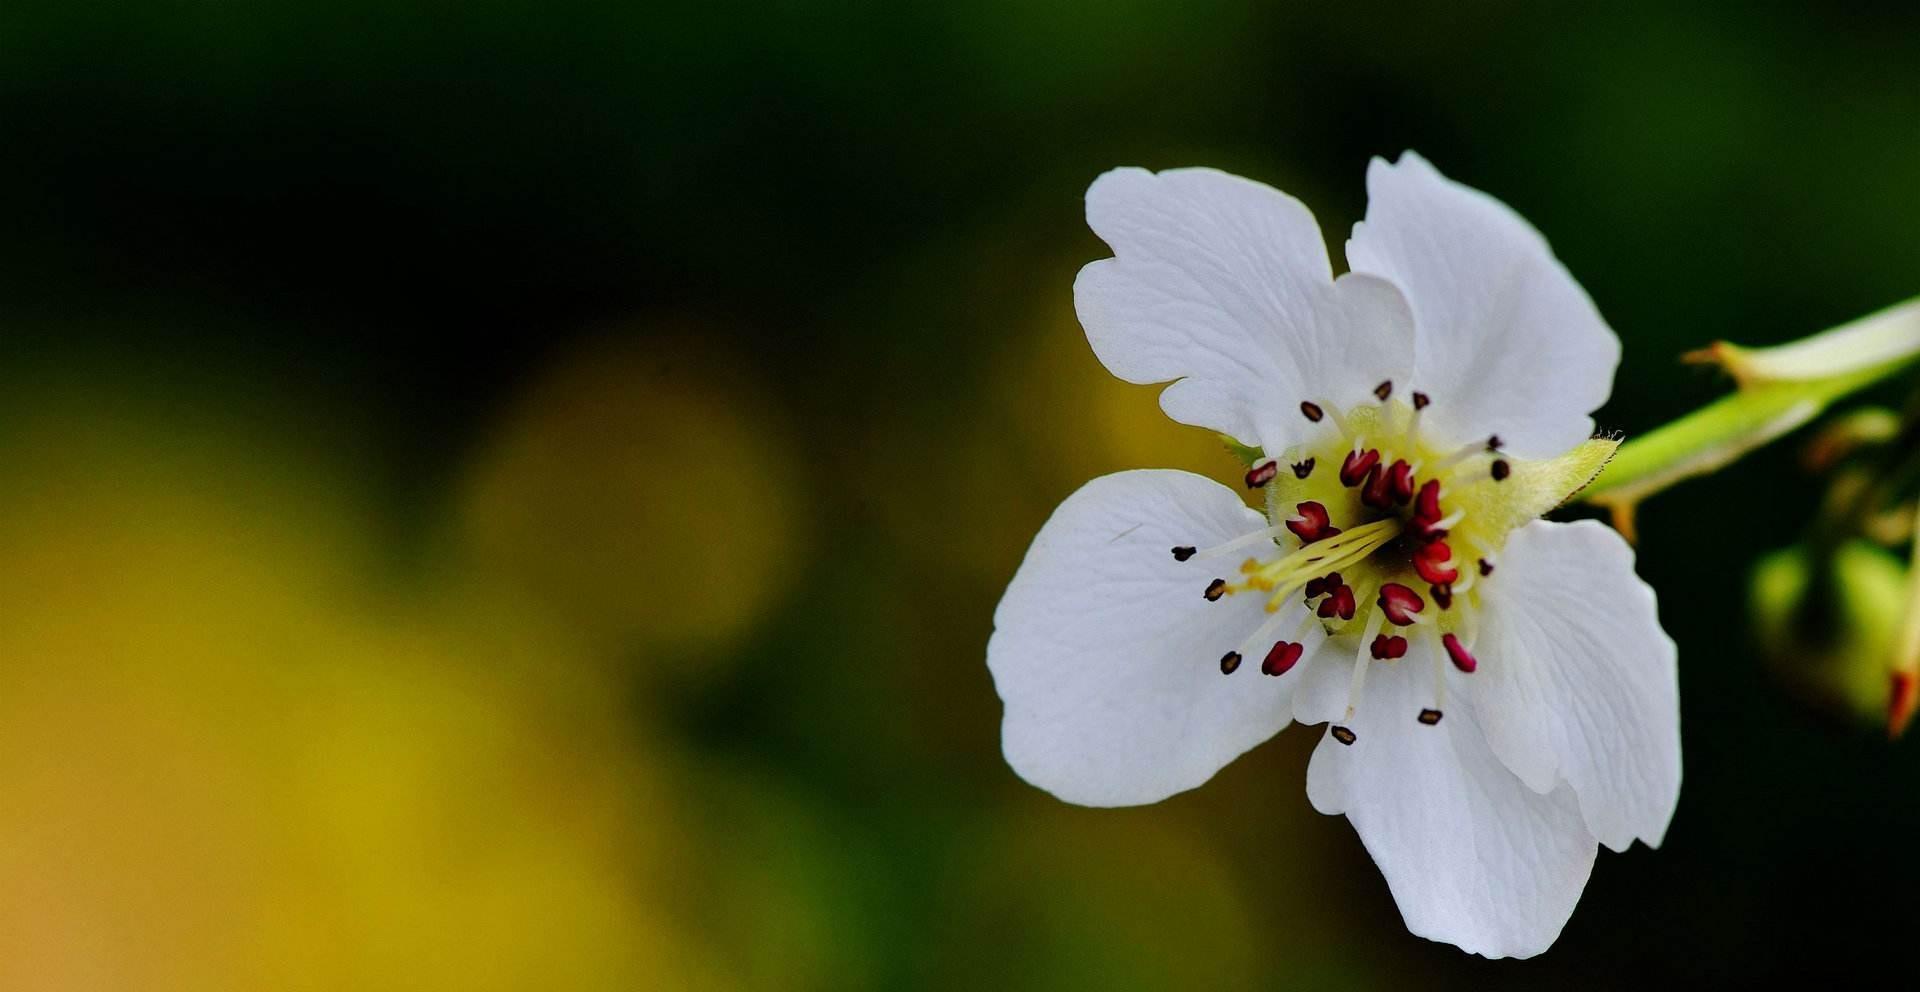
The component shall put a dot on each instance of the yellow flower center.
(1386, 534)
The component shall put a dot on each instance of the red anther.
(1374, 493)
(1434, 562)
(1426, 507)
(1427, 513)
(1442, 595)
(1400, 481)
(1312, 524)
(1323, 585)
(1354, 470)
(1311, 411)
(1282, 657)
(1263, 473)
(1462, 659)
(1339, 602)
(1400, 603)
(1387, 647)
(1303, 469)
(1316, 587)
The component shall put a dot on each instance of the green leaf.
(1248, 455)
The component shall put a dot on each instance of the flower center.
(1383, 534)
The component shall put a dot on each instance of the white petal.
(1473, 856)
(1223, 283)
(1506, 342)
(1322, 693)
(1577, 681)
(1107, 655)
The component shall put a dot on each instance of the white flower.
(1499, 693)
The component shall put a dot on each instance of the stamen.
(1303, 469)
(1400, 603)
(1253, 537)
(1312, 524)
(1322, 586)
(1425, 522)
(1426, 506)
(1460, 455)
(1263, 473)
(1434, 562)
(1388, 647)
(1430, 717)
(1384, 390)
(1216, 589)
(1486, 567)
(1400, 482)
(1229, 662)
(1439, 675)
(1339, 422)
(1375, 493)
(1462, 658)
(1442, 595)
(1412, 432)
(1355, 544)
(1312, 411)
(1265, 633)
(1282, 657)
(1344, 736)
(1339, 602)
(1354, 470)
(1501, 470)
(1360, 659)
(1493, 443)
(1182, 553)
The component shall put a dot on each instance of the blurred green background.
(513, 495)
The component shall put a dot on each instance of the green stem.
(1782, 388)
(1719, 433)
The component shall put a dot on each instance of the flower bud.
(1888, 336)
(1826, 629)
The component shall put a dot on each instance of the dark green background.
(356, 232)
